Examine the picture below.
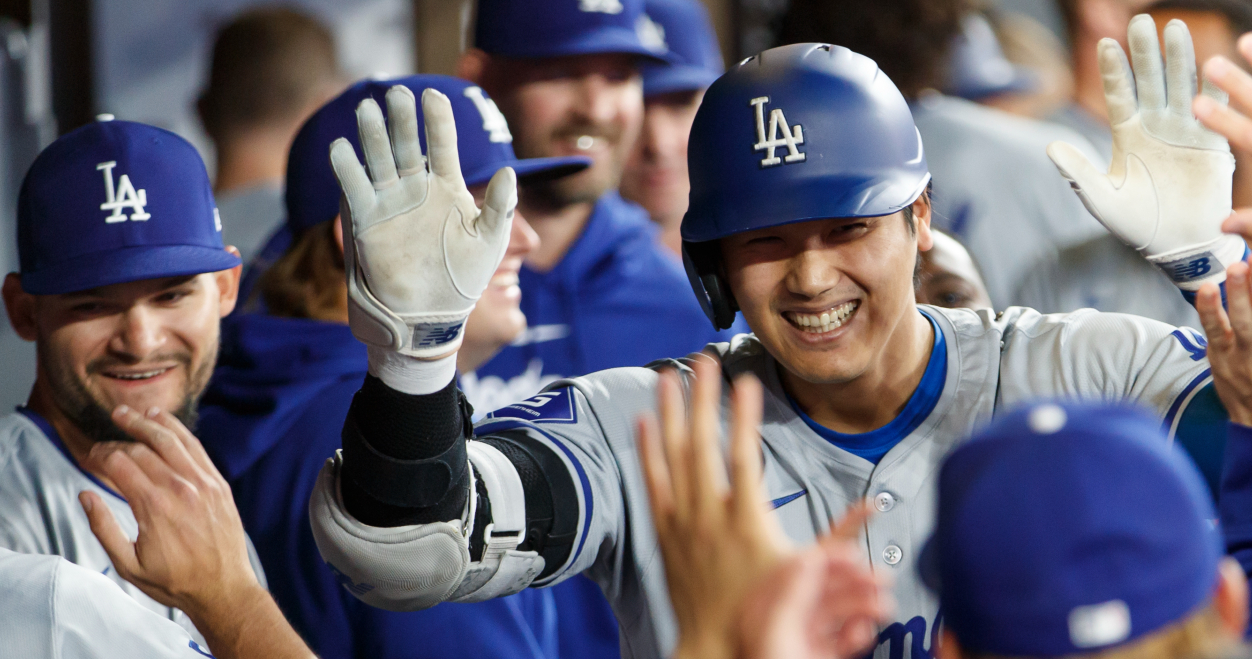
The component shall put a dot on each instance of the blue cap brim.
(118, 266)
(597, 42)
(532, 169)
(659, 80)
(1024, 81)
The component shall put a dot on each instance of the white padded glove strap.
(503, 569)
(406, 568)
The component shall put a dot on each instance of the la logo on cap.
(126, 196)
(601, 6)
(494, 123)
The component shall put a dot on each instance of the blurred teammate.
(1103, 532)
(282, 389)
(978, 70)
(271, 68)
(122, 287)
(948, 276)
(191, 553)
(600, 291)
(994, 188)
(656, 173)
(809, 223)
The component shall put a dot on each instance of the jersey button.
(892, 554)
(884, 502)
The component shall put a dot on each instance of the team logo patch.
(124, 196)
(347, 582)
(435, 334)
(791, 137)
(548, 407)
(601, 6)
(1191, 268)
(651, 34)
(494, 123)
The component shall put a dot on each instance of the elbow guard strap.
(502, 570)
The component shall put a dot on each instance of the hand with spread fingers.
(417, 251)
(1168, 187)
(191, 552)
(720, 544)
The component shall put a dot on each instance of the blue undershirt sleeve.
(1202, 434)
(1235, 506)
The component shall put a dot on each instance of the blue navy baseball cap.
(977, 67)
(483, 141)
(557, 28)
(1067, 528)
(114, 202)
(693, 59)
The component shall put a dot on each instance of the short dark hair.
(909, 39)
(1237, 12)
(268, 65)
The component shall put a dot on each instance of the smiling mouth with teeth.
(137, 376)
(823, 322)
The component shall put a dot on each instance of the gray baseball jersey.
(54, 609)
(1106, 275)
(40, 512)
(992, 362)
(996, 189)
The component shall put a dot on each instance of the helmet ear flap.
(703, 264)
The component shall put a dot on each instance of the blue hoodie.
(269, 419)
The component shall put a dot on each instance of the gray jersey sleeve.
(1100, 356)
(53, 608)
(590, 423)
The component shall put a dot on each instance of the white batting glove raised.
(417, 251)
(1168, 187)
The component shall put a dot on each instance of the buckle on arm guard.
(502, 570)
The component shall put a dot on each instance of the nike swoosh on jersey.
(782, 501)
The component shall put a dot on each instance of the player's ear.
(921, 222)
(473, 66)
(20, 306)
(1230, 598)
(228, 285)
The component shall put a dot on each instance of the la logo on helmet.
(126, 196)
(494, 123)
(792, 136)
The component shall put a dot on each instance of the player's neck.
(558, 228)
(877, 396)
(75, 440)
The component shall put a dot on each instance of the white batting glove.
(417, 251)
(1168, 186)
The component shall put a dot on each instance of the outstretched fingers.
(441, 147)
(1180, 73)
(402, 126)
(1119, 84)
(707, 469)
(376, 144)
(1239, 303)
(674, 440)
(1145, 58)
(655, 473)
(747, 494)
(352, 178)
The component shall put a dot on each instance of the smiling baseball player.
(808, 208)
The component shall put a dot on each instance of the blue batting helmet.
(800, 132)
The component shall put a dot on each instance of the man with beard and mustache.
(123, 281)
(600, 291)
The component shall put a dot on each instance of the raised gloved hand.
(1168, 188)
(417, 251)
